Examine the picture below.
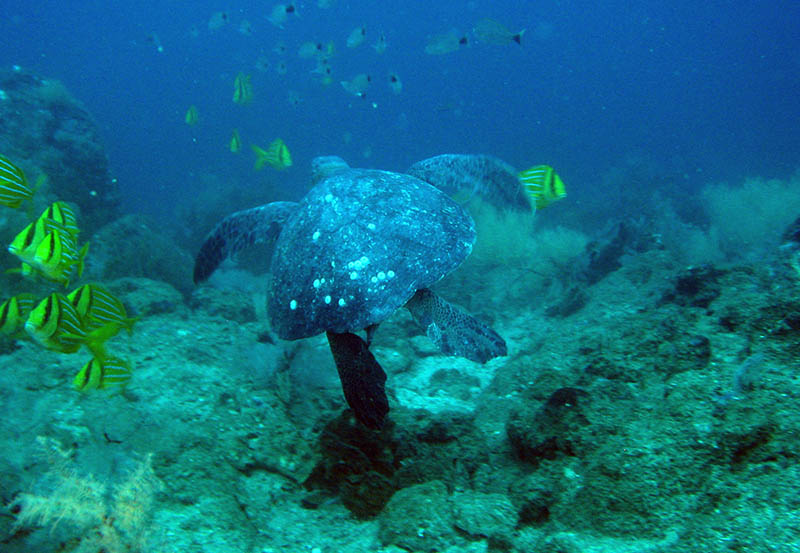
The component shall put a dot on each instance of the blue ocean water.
(706, 91)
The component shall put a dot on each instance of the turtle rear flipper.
(362, 378)
(238, 231)
(452, 330)
(488, 177)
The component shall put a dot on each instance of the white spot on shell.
(317, 283)
(390, 274)
(371, 226)
(293, 305)
(353, 275)
(381, 275)
(327, 299)
(315, 236)
(374, 279)
(329, 197)
(341, 302)
(358, 264)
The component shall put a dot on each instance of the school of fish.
(88, 316)
(321, 53)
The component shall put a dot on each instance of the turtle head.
(323, 167)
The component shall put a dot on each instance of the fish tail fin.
(518, 37)
(29, 208)
(103, 333)
(40, 181)
(261, 157)
(81, 257)
(98, 349)
(128, 324)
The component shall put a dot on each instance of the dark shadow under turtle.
(361, 244)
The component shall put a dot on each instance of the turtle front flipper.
(362, 378)
(452, 330)
(238, 231)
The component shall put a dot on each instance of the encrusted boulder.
(44, 129)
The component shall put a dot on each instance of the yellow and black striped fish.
(59, 216)
(56, 325)
(242, 89)
(103, 314)
(57, 257)
(543, 185)
(276, 155)
(13, 313)
(96, 374)
(14, 187)
(63, 214)
(25, 243)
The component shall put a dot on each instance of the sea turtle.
(361, 244)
